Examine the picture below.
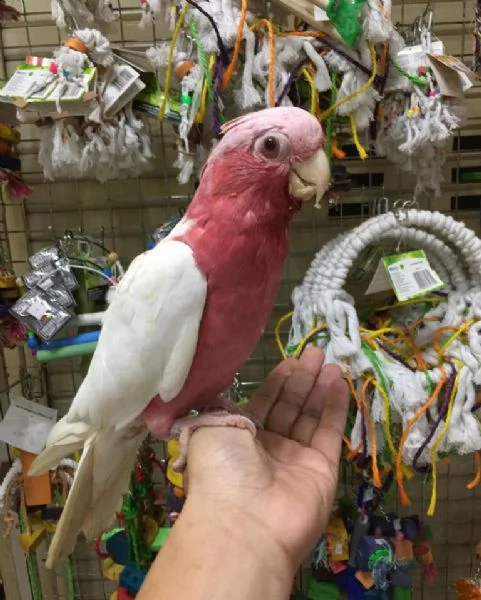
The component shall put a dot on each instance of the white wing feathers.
(147, 345)
(148, 340)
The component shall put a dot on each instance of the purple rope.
(222, 50)
(442, 413)
(216, 100)
(294, 74)
(396, 356)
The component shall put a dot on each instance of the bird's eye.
(272, 146)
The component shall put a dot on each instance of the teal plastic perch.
(86, 349)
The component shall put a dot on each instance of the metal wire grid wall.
(124, 212)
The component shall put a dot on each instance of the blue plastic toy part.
(32, 342)
(117, 546)
(10, 162)
(82, 338)
(402, 575)
(132, 578)
(374, 594)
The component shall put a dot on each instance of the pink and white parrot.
(187, 314)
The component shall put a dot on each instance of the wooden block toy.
(30, 541)
(112, 570)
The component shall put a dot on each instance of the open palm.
(286, 479)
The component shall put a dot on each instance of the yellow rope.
(277, 332)
(203, 100)
(407, 302)
(387, 431)
(170, 63)
(312, 88)
(359, 91)
(306, 338)
(455, 335)
(359, 147)
(434, 451)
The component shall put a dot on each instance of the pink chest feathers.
(243, 273)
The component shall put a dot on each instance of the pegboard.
(123, 212)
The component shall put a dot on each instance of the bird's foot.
(228, 405)
(184, 428)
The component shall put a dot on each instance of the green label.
(411, 275)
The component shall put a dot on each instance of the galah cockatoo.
(187, 314)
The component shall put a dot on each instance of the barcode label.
(123, 78)
(411, 274)
(424, 279)
(72, 91)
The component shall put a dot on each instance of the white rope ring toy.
(414, 376)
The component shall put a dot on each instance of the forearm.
(213, 554)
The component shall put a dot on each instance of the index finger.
(268, 392)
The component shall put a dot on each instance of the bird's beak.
(310, 178)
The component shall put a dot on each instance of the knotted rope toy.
(413, 367)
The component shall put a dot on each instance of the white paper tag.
(338, 548)
(320, 14)
(123, 86)
(368, 494)
(397, 524)
(380, 281)
(24, 81)
(27, 424)
(411, 275)
(411, 58)
(37, 308)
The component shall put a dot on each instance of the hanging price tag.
(411, 275)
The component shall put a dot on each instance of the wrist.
(234, 531)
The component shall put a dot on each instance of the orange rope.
(235, 56)
(417, 354)
(272, 57)
(355, 451)
(353, 390)
(477, 478)
(317, 34)
(399, 476)
(372, 429)
(337, 152)
(439, 331)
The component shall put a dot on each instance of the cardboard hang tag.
(411, 275)
(380, 281)
(451, 82)
(443, 63)
(37, 490)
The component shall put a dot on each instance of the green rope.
(57, 499)
(70, 580)
(418, 80)
(31, 567)
(330, 118)
(383, 381)
(203, 58)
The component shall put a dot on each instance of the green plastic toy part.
(159, 539)
(402, 593)
(344, 15)
(86, 349)
(323, 590)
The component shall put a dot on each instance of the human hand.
(284, 481)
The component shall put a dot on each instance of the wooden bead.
(183, 69)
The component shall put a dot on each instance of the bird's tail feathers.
(102, 477)
(64, 439)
